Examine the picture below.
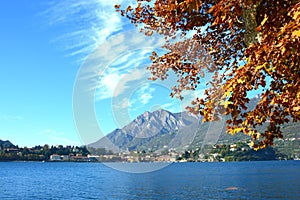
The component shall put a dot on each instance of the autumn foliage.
(245, 44)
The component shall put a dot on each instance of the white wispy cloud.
(145, 98)
(88, 23)
(145, 93)
(114, 84)
(124, 103)
(113, 56)
(123, 73)
(107, 85)
(123, 60)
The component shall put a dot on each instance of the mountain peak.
(147, 126)
(146, 112)
(156, 111)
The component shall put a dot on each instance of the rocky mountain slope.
(152, 130)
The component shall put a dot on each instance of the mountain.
(6, 144)
(152, 130)
(161, 129)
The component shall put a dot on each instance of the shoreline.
(171, 162)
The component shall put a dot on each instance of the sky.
(65, 62)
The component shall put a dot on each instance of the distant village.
(240, 151)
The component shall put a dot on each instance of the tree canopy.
(248, 45)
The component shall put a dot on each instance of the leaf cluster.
(246, 45)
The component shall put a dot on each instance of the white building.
(55, 157)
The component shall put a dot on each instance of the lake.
(232, 180)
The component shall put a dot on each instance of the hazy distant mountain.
(162, 129)
(6, 144)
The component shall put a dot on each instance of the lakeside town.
(240, 151)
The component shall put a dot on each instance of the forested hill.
(6, 144)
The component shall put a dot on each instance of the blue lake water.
(234, 180)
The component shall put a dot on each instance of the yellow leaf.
(241, 80)
(237, 130)
(259, 67)
(234, 130)
(296, 108)
(226, 103)
(227, 93)
(296, 15)
(264, 21)
(296, 33)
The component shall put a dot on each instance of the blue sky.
(45, 44)
(36, 77)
